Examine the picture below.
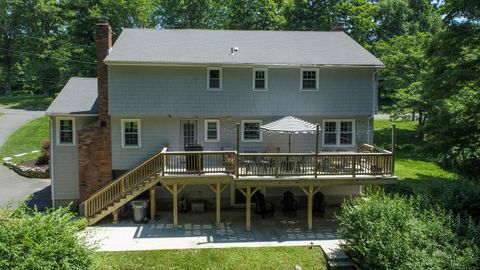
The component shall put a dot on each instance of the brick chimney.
(103, 42)
(94, 141)
(339, 26)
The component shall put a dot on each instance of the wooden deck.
(247, 172)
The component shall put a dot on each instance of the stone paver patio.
(197, 230)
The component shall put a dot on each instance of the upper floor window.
(309, 79)
(251, 131)
(214, 78)
(131, 133)
(65, 131)
(260, 79)
(212, 130)
(338, 132)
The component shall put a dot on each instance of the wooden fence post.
(394, 139)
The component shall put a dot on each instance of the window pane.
(330, 138)
(130, 133)
(66, 131)
(345, 138)
(309, 80)
(346, 126)
(259, 74)
(330, 126)
(251, 131)
(212, 131)
(259, 84)
(214, 78)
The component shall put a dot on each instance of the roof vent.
(233, 50)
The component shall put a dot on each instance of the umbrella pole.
(289, 142)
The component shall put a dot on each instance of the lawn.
(413, 165)
(25, 139)
(25, 101)
(227, 258)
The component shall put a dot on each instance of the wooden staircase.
(123, 189)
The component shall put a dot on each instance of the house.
(124, 132)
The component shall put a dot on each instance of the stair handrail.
(122, 184)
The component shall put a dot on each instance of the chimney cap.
(103, 19)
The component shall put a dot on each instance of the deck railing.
(122, 185)
(278, 164)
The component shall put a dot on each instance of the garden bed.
(29, 169)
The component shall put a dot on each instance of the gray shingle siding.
(65, 162)
(157, 132)
(181, 91)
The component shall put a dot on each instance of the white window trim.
(57, 123)
(243, 129)
(206, 130)
(266, 79)
(208, 79)
(317, 75)
(337, 144)
(122, 127)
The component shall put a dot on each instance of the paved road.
(14, 188)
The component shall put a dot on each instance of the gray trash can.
(139, 208)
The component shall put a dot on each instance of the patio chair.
(289, 204)
(319, 203)
(263, 207)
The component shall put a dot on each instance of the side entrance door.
(189, 131)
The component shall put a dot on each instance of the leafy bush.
(32, 240)
(383, 232)
(44, 157)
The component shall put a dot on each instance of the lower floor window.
(131, 133)
(338, 132)
(212, 130)
(251, 130)
(66, 128)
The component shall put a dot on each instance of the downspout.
(52, 167)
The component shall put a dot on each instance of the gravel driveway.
(14, 188)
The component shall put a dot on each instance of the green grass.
(226, 258)
(413, 164)
(25, 101)
(25, 139)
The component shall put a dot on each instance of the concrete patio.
(197, 230)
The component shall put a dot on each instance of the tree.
(452, 89)
(360, 24)
(311, 15)
(201, 14)
(254, 15)
(406, 68)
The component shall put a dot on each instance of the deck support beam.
(153, 202)
(248, 207)
(175, 190)
(310, 192)
(217, 188)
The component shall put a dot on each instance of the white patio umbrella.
(290, 125)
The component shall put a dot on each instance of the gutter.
(160, 63)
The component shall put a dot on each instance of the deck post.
(316, 150)
(153, 202)
(175, 205)
(248, 212)
(310, 206)
(218, 192)
(394, 131)
(238, 150)
(115, 216)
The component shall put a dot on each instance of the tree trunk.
(413, 115)
(421, 123)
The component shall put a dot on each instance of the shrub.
(383, 232)
(30, 239)
(44, 157)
